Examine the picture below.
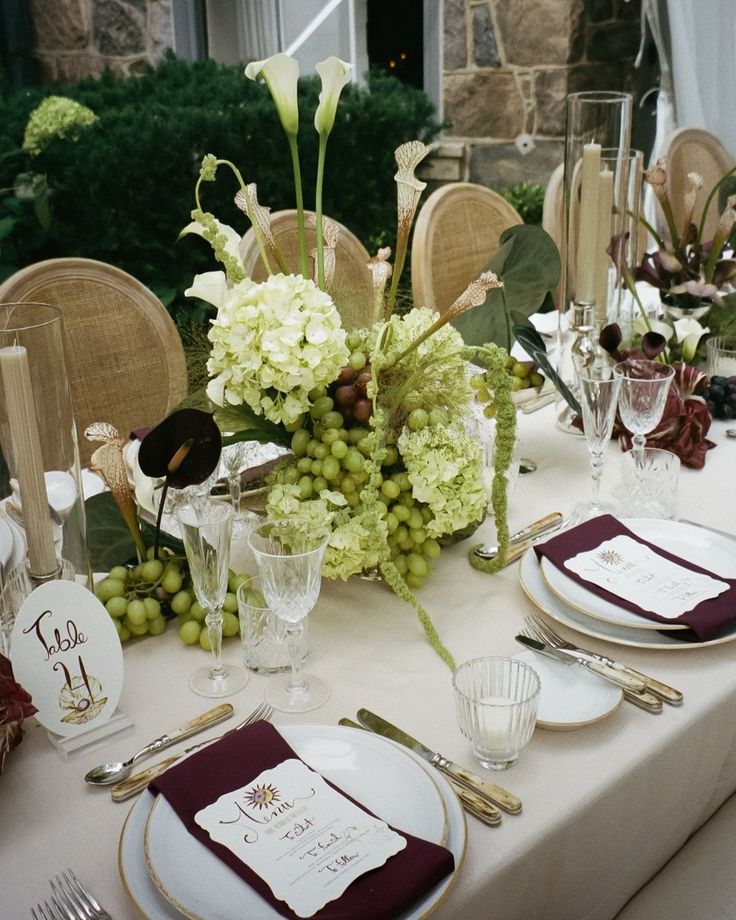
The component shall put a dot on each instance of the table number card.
(637, 574)
(66, 653)
(302, 837)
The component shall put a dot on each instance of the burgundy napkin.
(706, 620)
(238, 758)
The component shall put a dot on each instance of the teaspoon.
(107, 773)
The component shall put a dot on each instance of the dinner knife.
(547, 524)
(471, 802)
(497, 795)
(663, 691)
(619, 678)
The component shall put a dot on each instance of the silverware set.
(640, 689)
(70, 900)
(522, 539)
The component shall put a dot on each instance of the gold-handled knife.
(471, 802)
(568, 657)
(492, 793)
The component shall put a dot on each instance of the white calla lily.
(281, 74)
(210, 287)
(232, 237)
(653, 325)
(335, 74)
(689, 332)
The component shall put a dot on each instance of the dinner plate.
(702, 547)
(570, 696)
(535, 588)
(349, 757)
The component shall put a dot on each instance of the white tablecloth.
(604, 807)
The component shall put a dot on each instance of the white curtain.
(703, 65)
(259, 29)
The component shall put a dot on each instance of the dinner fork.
(663, 691)
(641, 698)
(138, 782)
(71, 900)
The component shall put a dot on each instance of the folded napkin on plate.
(241, 756)
(706, 620)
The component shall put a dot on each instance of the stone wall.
(509, 65)
(76, 38)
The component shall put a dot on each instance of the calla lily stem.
(303, 262)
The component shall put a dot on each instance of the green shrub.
(527, 199)
(123, 190)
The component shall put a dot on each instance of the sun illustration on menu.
(261, 796)
(610, 557)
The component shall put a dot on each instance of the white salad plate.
(709, 550)
(535, 588)
(570, 696)
(390, 781)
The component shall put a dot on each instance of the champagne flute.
(644, 388)
(599, 392)
(206, 529)
(290, 564)
(232, 459)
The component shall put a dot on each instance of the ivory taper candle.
(603, 241)
(28, 459)
(588, 223)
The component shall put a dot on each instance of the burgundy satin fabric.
(705, 621)
(238, 758)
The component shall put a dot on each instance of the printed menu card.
(605, 557)
(301, 843)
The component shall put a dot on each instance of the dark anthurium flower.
(183, 450)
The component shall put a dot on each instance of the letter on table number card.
(637, 574)
(67, 654)
(306, 840)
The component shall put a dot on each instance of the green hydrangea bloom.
(56, 116)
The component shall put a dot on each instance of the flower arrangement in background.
(56, 116)
(15, 705)
(375, 417)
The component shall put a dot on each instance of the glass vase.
(38, 439)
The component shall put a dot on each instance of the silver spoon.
(107, 773)
(545, 525)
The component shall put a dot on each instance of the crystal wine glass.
(206, 529)
(232, 459)
(289, 564)
(599, 392)
(644, 388)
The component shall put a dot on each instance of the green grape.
(321, 451)
(304, 464)
(339, 448)
(390, 489)
(318, 484)
(392, 522)
(311, 447)
(153, 608)
(348, 484)
(118, 572)
(357, 360)
(156, 626)
(109, 587)
(123, 631)
(520, 370)
(353, 499)
(230, 604)
(537, 380)
(357, 434)
(413, 581)
(415, 518)
(316, 468)
(189, 632)
(137, 629)
(418, 535)
(365, 446)
(197, 612)
(305, 487)
(204, 640)
(401, 564)
(331, 468)
(417, 565)
(181, 602)
(152, 570)
(517, 384)
(230, 625)
(391, 457)
(418, 419)
(235, 581)
(299, 442)
(332, 420)
(401, 512)
(321, 407)
(431, 549)
(354, 341)
(171, 581)
(117, 606)
(136, 614)
(401, 534)
(291, 475)
(331, 436)
(353, 460)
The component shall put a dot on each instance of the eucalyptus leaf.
(528, 263)
(533, 344)
(108, 539)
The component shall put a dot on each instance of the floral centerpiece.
(377, 417)
(15, 705)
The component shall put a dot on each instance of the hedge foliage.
(122, 192)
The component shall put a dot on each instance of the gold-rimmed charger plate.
(701, 547)
(438, 797)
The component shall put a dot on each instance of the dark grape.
(346, 395)
(362, 410)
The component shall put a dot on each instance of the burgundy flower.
(15, 705)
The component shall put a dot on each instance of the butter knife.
(547, 524)
(620, 678)
(663, 691)
(471, 802)
(492, 793)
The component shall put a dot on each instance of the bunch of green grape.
(523, 377)
(331, 450)
(190, 613)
